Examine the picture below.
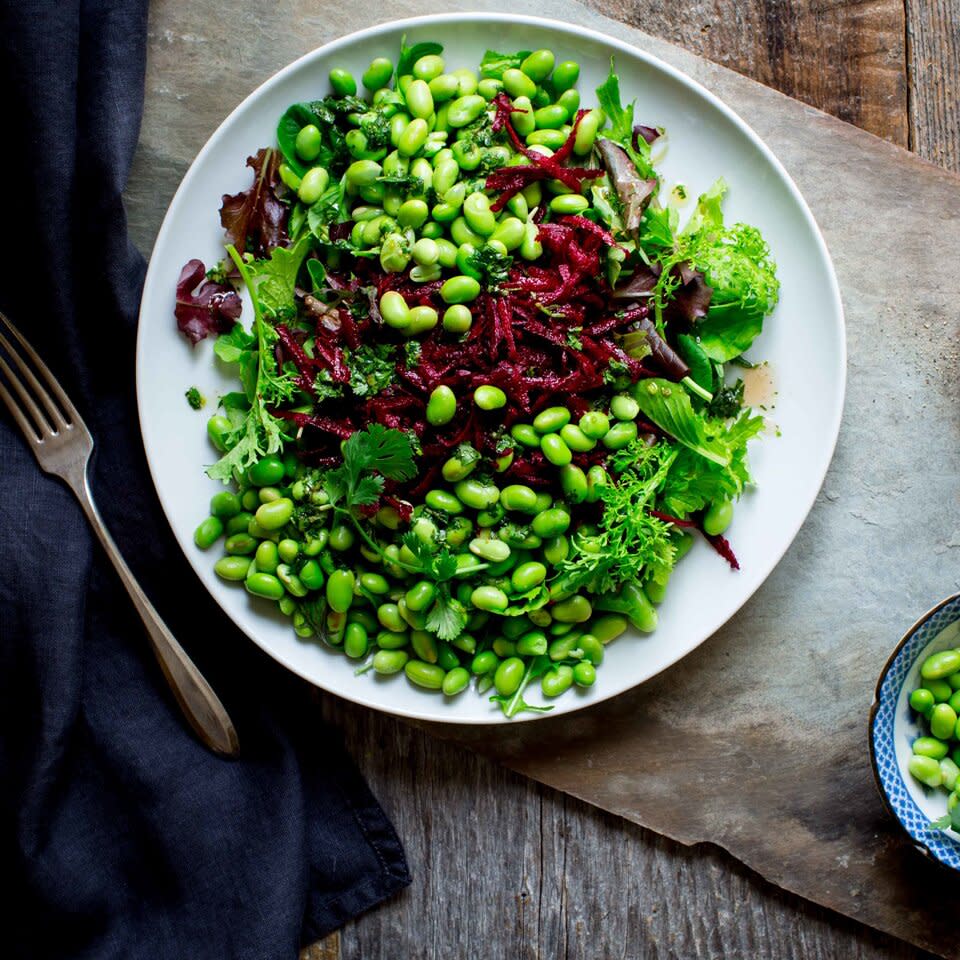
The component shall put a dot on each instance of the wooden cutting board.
(756, 742)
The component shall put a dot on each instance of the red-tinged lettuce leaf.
(256, 219)
(633, 190)
(202, 306)
(691, 299)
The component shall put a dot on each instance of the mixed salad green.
(483, 400)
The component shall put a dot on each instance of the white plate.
(803, 340)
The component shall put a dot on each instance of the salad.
(486, 397)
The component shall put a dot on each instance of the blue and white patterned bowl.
(894, 727)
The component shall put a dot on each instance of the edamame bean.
(940, 665)
(573, 481)
(930, 747)
(456, 469)
(424, 646)
(594, 424)
(413, 137)
(554, 139)
(569, 203)
(340, 586)
(388, 614)
(941, 690)
(531, 248)
(565, 76)
(576, 439)
(527, 576)
(518, 84)
(460, 289)
(426, 675)
(476, 211)
(378, 74)
(224, 505)
(309, 142)
(267, 557)
(476, 494)
(421, 595)
(544, 500)
(551, 419)
(624, 407)
(525, 434)
(484, 662)
(422, 319)
(240, 544)
(550, 118)
(556, 681)
(387, 662)
(264, 585)
(441, 407)
(587, 130)
(464, 110)
(443, 501)
(926, 770)
(208, 532)
(273, 516)
(510, 232)
(343, 83)
(467, 81)
(608, 628)
(456, 681)
(445, 176)
(443, 87)
(718, 517)
(584, 674)
(488, 598)
(592, 648)
(519, 497)
(363, 172)
(496, 551)
(620, 435)
(457, 319)
(537, 65)
(461, 234)
(419, 99)
(509, 676)
(596, 480)
(355, 641)
(428, 67)
(291, 582)
(425, 251)
(311, 575)
(570, 101)
(555, 450)
(488, 397)
(550, 523)
(943, 721)
(576, 609)
(489, 87)
(218, 429)
(232, 568)
(556, 550)
(922, 700)
(523, 119)
(266, 472)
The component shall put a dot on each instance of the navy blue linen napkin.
(121, 836)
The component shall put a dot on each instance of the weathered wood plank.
(507, 868)
(933, 51)
(847, 58)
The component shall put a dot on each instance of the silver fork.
(62, 445)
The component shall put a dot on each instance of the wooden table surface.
(504, 867)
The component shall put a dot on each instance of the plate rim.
(575, 31)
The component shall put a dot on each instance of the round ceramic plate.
(803, 342)
(894, 727)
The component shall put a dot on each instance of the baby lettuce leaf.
(256, 218)
(494, 64)
(668, 406)
(514, 704)
(296, 117)
(410, 55)
(621, 125)
(203, 306)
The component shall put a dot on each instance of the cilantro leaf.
(493, 266)
(949, 821)
(195, 398)
(379, 448)
(447, 617)
(410, 55)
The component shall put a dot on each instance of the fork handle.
(200, 705)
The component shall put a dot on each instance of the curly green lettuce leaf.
(494, 64)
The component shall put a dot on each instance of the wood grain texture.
(508, 868)
(846, 58)
(933, 47)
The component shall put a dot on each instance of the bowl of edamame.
(475, 343)
(915, 733)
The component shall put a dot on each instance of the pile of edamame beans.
(415, 196)
(936, 757)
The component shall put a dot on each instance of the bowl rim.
(573, 30)
(921, 845)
